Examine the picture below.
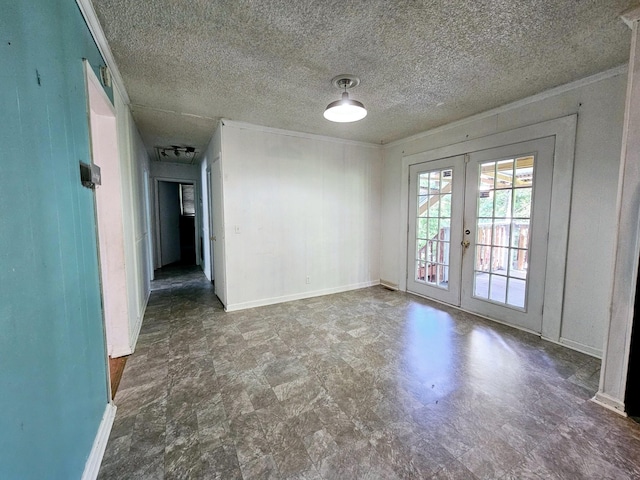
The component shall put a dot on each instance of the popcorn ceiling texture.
(270, 62)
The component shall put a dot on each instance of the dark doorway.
(177, 223)
(187, 224)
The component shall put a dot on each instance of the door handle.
(213, 238)
(465, 244)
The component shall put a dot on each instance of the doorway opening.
(176, 221)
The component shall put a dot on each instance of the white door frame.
(564, 129)
(156, 201)
(212, 258)
(217, 219)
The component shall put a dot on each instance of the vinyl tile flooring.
(368, 384)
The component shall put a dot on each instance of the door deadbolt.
(467, 232)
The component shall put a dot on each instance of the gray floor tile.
(363, 384)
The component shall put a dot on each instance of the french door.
(478, 227)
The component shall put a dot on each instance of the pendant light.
(345, 110)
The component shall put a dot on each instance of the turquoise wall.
(53, 389)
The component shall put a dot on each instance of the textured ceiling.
(422, 64)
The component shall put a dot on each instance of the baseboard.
(578, 347)
(594, 352)
(388, 284)
(136, 331)
(610, 403)
(299, 296)
(92, 467)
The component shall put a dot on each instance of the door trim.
(564, 129)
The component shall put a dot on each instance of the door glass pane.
(504, 199)
(483, 258)
(422, 201)
(487, 175)
(433, 227)
(498, 288)
(502, 203)
(499, 260)
(518, 263)
(432, 269)
(515, 295)
(481, 285)
(421, 246)
(520, 235)
(422, 227)
(504, 174)
(484, 230)
(444, 252)
(445, 205)
(522, 203)
(501, 232)
(485, 203)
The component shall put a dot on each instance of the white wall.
(599, 103)
(298, 206)
(134, 162)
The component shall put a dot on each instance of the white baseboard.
(579, 347)
(594, 352)
(299, 296)
(92, 467)
(388, 284)
(610, 403)
(121, 352)
(136, 331)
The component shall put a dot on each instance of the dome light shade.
(345, 110)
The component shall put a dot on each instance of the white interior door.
(436, 200)
(493, 259)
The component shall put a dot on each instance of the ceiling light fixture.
(176, 151)
(345, 110)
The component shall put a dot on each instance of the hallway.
(364, 384)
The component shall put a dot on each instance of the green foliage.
(520, 207)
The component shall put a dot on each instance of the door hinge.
(466, 158)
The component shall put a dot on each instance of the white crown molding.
(90, 17)
(619, 70)
(630, 16)
(135, 106)
(291, 133)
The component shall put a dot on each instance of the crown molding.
(290, 133)
(91, 19)
(631, 16)
(619, 70)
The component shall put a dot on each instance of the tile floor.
(365, 384)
